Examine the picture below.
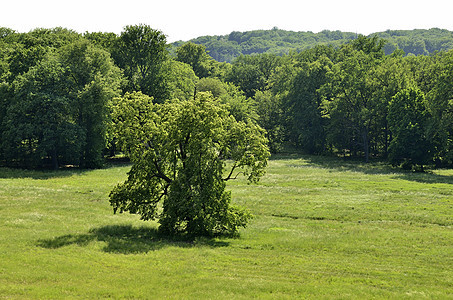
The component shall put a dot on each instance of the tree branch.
(161, 174)
(231, 173)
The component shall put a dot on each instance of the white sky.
(187, 19)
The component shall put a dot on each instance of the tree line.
(280, 42)
(60, 91)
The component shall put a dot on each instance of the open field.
(323, 229)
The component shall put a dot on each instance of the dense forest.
(356, 97)
(277, 41)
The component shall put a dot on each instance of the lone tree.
(183, 152)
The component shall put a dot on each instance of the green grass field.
(324, 228)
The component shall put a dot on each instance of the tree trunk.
(54, 159)
(366, 149)
(387, 138)
(112, 148)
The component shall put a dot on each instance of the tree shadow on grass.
(126, 239)
(64, 171)
(17, 173)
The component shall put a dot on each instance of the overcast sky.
(184, 20)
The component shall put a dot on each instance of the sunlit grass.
(323, 228)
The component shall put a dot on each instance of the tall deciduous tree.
(408, 120)
(92, 82)
(303, 105)
(181, 79)
(179, 150)
(370, 45)
(270, 116)
(440, 102)
(353, 105)
(350, 106)
(141, 52)
(195, 56)
(386, 80)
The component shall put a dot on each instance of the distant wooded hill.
(277, 41)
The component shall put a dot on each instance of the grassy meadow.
(324, 228)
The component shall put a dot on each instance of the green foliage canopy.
(303, 105)
(408, 120)
(141, 52)
(252, 73)
(40, 121)
(56, 86)
(281, 42)
(195, 56)
(59, 108)
(351, 103)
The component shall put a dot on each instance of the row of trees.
(54, 95)
(57, 88)
(356, 101)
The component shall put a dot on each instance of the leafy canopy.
(141, 52)
(408, 120)
(58, 109)
(179, 151)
